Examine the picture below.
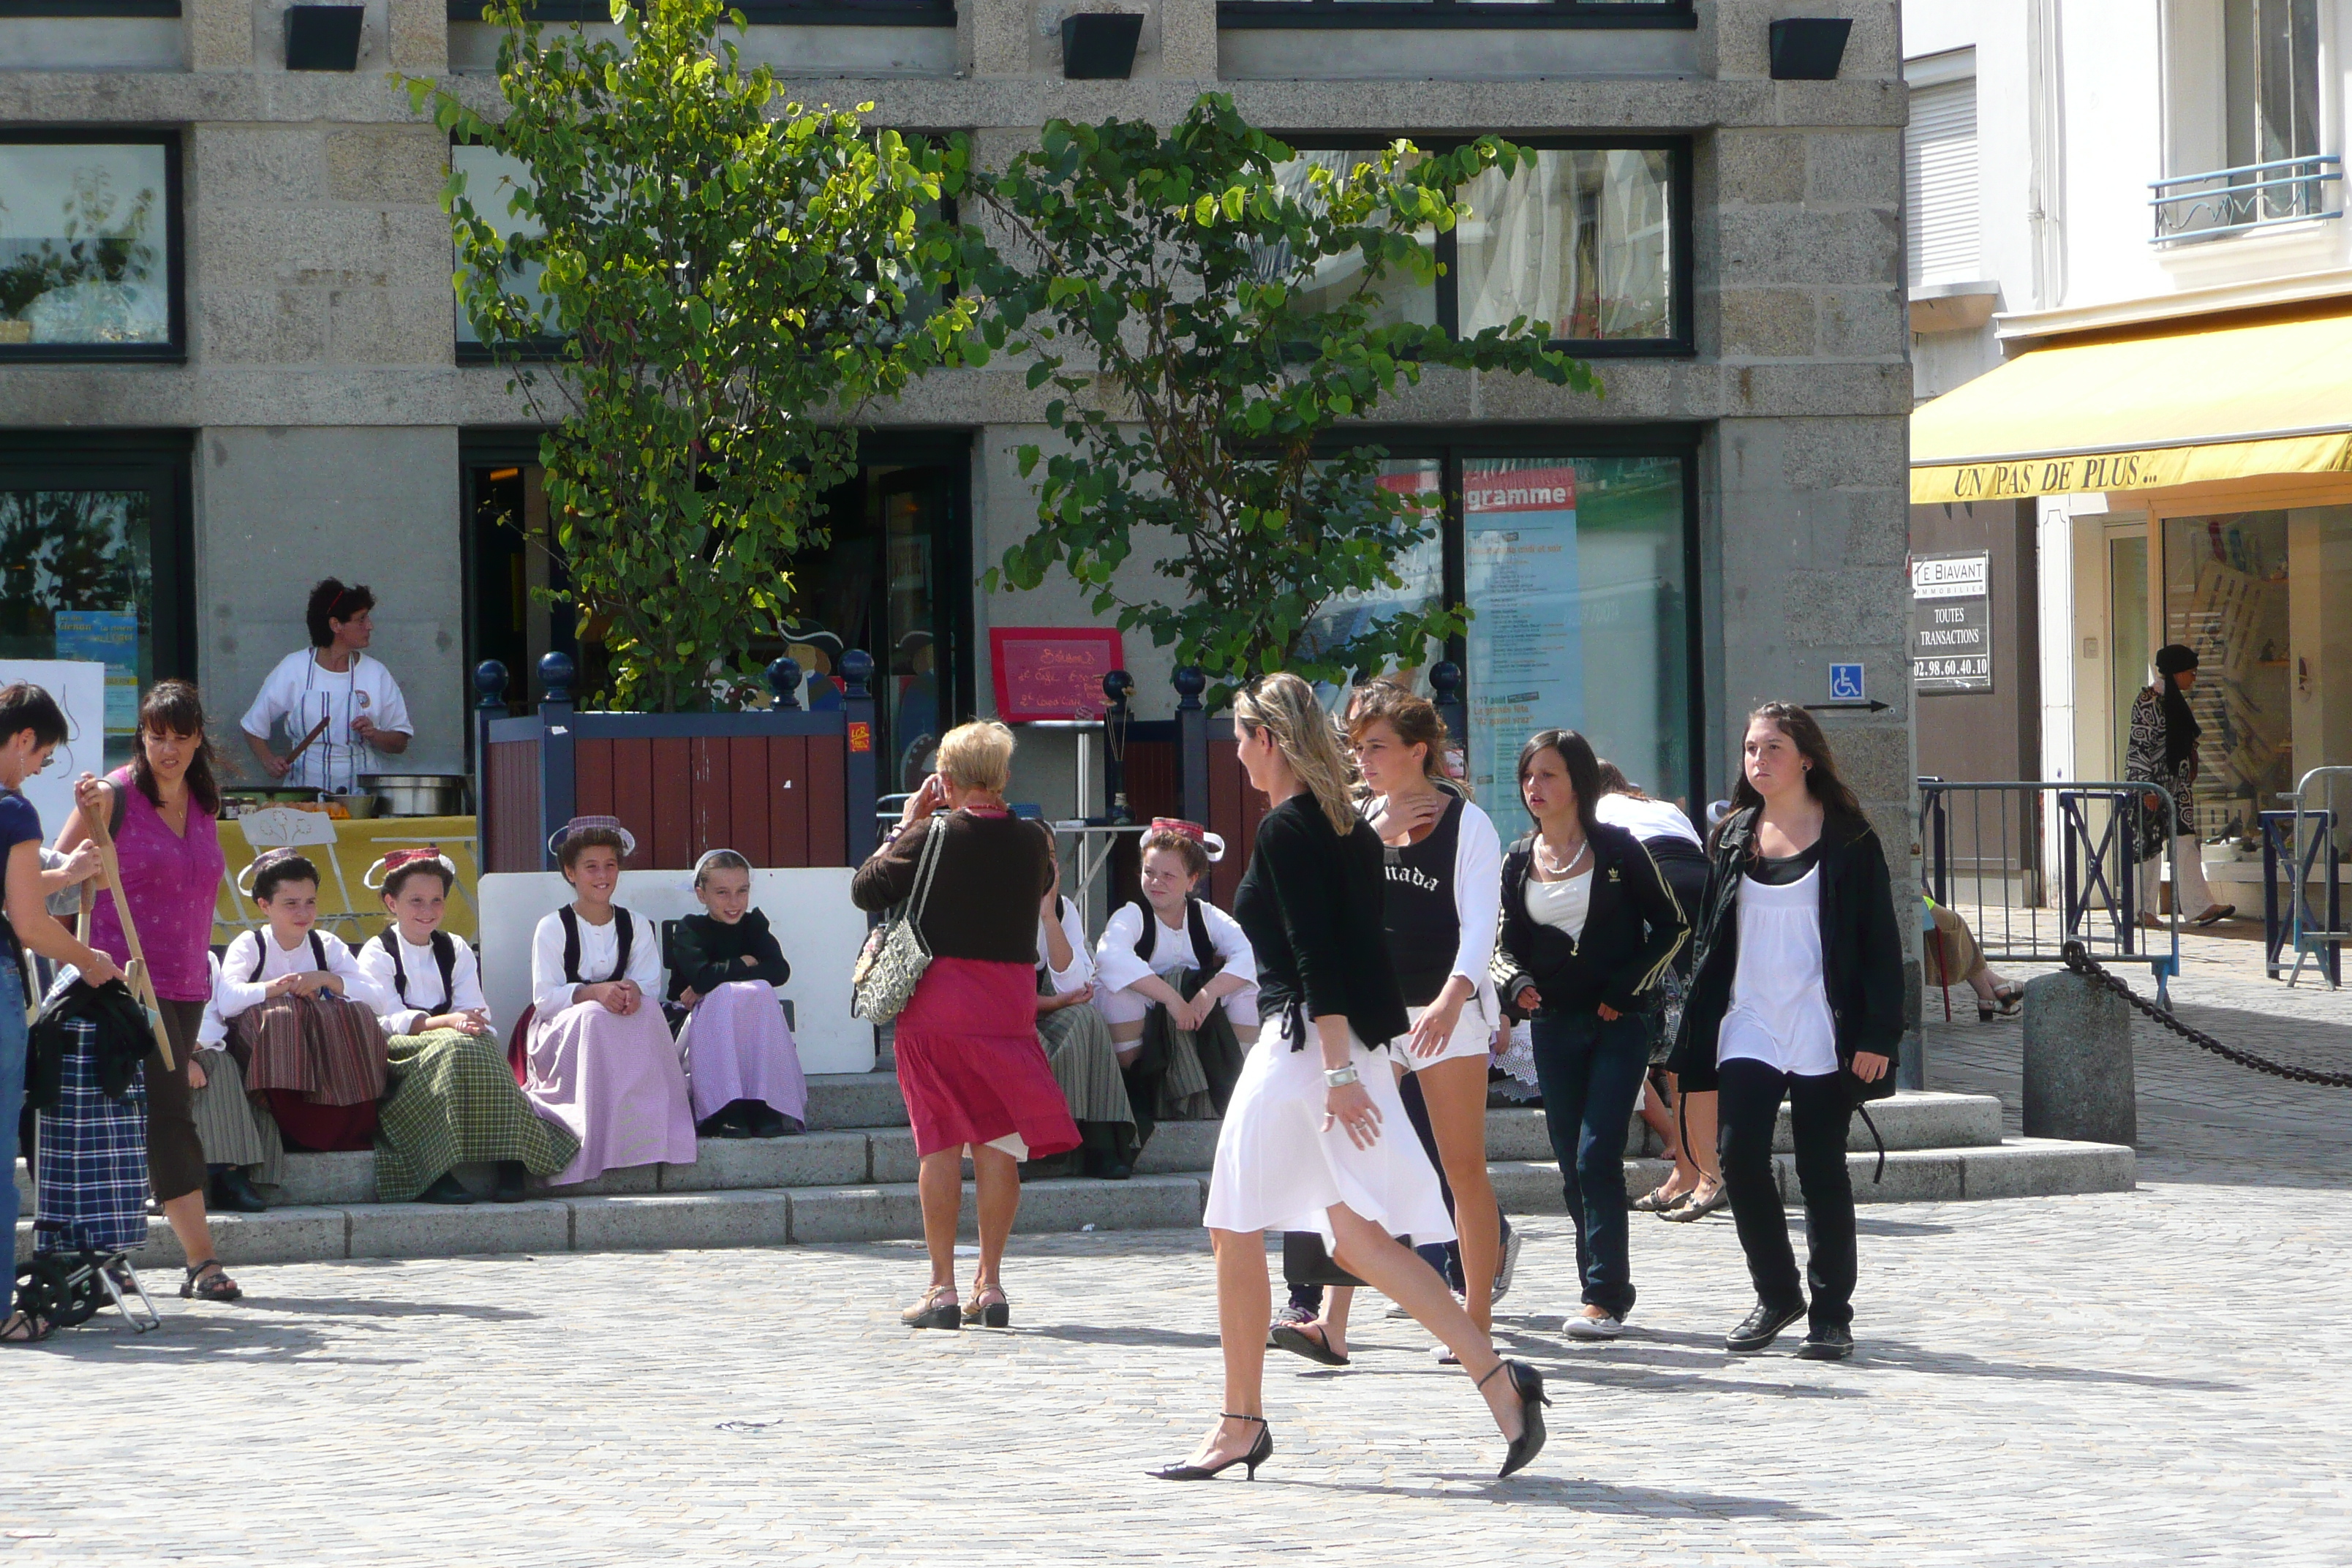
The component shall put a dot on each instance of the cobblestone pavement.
(2152, 1378)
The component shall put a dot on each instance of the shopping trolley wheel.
(44, 1288)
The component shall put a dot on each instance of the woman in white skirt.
(1313, 1138)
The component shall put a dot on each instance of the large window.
(492, 179)
(1471, 14)
(1941, 226)
(1589, 240)
(1576, 567)
(89, 246)
(93, 540)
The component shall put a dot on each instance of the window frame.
(1461, 15)
(174, 349)
(1450, 446)
(756, 13)
(1681, 289)
(156, 460)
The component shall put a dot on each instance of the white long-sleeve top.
(1082, 966)
(600, 947)
(1646, 819)
(1477, 895)
(211, 1033)
(405, 1012)
(238, 987)
(1117, 967)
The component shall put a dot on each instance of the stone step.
(2016, 1167)
(884, 1152)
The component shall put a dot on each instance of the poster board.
(1522, 571)
(1051, 672)
(1952, 622)
(80, 687)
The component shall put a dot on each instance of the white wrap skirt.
(1278, 1169)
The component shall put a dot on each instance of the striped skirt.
(232, 1128)
(322, 1051)
(1084, 1062)
(90, 1160)
(454, 1102)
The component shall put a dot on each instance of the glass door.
(2225, 595)
(2128, 649)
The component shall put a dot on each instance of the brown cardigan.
(991, 876)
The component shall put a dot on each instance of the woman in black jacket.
(1589, 928)
(1798, 995)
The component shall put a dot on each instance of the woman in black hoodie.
(1589, 928)
(1798, 995)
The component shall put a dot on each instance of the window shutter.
(1939, 180)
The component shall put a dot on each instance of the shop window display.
(2226, 595)
(80, 586)
(84, 246)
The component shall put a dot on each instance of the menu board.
(1520, 564)
(1051, 672)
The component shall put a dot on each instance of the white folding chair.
(283, 827)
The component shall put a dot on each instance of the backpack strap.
(570, 944)
(318, 950)
(260, 955)
(626, 934)
(444, 953)
(1204, 951)
(1147, 943)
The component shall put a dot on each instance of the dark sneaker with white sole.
(1761, 1326)
(1826, 1344)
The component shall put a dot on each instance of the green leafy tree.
(1176, 291)
(728, 279)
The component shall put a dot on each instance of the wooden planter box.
(785, 788)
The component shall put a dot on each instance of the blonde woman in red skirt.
(970, 1066)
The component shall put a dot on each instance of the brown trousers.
(175, 1158)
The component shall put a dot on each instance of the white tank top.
(1779, 1012)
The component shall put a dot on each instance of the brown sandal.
(209, 1281)
(26, 1329)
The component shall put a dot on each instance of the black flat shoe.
(1826, 1344)
(1259, 1452)
(1760, 1327)
(1316, 1347)
(723, 1125)
(233, 1193)
(769, 1122)
(446, 1189)
(1528, 1384)
(509, 1187)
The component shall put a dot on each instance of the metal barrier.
(1987, 850)
(2302, 840)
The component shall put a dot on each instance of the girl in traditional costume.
(725, 966)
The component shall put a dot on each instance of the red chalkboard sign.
(1051, 672)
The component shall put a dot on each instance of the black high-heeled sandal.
(1259, 1452)
(1528, 1384)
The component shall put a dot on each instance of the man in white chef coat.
(333, 680)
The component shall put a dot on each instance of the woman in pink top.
(168, 842)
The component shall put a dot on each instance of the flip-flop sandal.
(1699, 1208)
(209, 1281)
(2217, 914)
(1295, 1339)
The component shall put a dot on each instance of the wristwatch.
(1340, 1077)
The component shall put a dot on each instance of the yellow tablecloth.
(345, 906)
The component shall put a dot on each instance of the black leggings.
(1820, 1111)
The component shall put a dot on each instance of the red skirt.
(969, 1065)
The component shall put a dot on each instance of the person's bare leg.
(1688, 1173)
(1660, 1116)
(1337, 1301)
(998, 1175)
(1379, 1260)
(939, 1183)
(1127, 1039)
(1698, 1114)
(1456, 1093)
(186, 1216)
(1245, 1302)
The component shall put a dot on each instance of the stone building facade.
(308, 409)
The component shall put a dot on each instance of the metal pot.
(358, 808)
(419, 795)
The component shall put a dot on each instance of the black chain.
(2079, 960)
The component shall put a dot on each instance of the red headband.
(399, 858)
(1178, 825)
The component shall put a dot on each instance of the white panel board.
(808, 909)
(81, 690)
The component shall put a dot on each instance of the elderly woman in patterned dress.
(2163, 751)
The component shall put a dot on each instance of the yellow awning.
(2228, 404)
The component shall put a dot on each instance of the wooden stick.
(317, 729)
(143, 985)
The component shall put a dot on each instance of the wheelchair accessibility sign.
(1845, 683)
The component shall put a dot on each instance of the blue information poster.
(1526, 632)
(109, 637)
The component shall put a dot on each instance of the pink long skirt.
(738, 1047)
(615, 1083)
(969, 1065)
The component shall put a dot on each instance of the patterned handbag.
(894, 956)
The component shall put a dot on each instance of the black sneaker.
(1761, 1326)
(446, 1189)
(1826, 1344)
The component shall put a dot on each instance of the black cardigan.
(1311, 905)
(1633, 927)
(1862, 954)
(703, 951)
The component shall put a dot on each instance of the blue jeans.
(1590, 1072)
(12, 1104)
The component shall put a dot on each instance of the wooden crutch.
(135, 972)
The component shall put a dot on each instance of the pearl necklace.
(1553, 866)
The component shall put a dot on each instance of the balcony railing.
(2231, 201)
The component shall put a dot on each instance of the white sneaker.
(1607, 1327)
(1396, 1312)
(1509, 1267)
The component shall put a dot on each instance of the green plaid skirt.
(451, 1100)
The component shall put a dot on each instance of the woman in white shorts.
(1442, 902)
(1311, 1139)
